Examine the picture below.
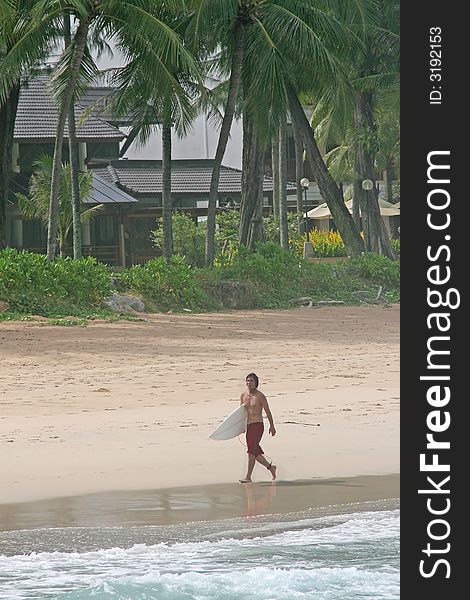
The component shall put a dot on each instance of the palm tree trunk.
(7, 126)
(283, 228)
(375, 234)
(388, 180)
(134, 132)
(80, 44)
(62, 236)
(166, 191)
(275, 170)
(251, 205)
(388, 177)
(299, 173)
(74, 163)
(328, 188)
(75, 187)
(235, 75)
(356, 202)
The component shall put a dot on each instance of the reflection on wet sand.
(195, 503)
(259, 498)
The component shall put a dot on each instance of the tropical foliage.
(268, 59)
(32, 284)
(326, 243)
(36, 204)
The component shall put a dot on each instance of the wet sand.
(197, 503)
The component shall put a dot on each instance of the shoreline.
(188, 504)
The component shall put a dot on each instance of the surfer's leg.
(269, 465)
(251, 464)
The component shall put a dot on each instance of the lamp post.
(308, 247)
(304, 182)
(367, 185)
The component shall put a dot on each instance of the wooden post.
(121, 252)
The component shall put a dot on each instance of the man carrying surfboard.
(255, 402)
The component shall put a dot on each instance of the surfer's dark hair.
(255, 377)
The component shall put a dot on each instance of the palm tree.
(282, 44)
(341, 158)
(283, 228)
(36, 205)
(137, 27)
(276, 172)
(74, 162)
(388, 156)
(373, 94)
(211, 21)
(250, 229)
(20, 49)
(299, 173)
(143, 98)
(375, 72)
(329, 189)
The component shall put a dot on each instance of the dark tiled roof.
(104, 192)
(97, 98)
(187, 177)
(37, 117)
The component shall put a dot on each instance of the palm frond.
(60, 79)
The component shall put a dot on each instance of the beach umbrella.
(387, 209)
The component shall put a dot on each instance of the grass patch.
(67, 322)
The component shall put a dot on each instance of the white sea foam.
(348, 556)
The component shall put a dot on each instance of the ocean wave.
(330, 558)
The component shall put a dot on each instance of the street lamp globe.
(367, 185)
(304, 182)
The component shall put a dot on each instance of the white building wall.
(201, 141)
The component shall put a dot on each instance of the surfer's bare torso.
(254, 403)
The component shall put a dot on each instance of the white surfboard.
(234, 424)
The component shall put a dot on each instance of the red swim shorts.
(254, 433)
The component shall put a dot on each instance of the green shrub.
(272, 273)
(395, 246)
(31, 283)
(271, 227)
(189, 238)
(378, 268)
(169, 284)
(268, 262)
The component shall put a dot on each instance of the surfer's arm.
(267, 410)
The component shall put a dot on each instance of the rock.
(121, 303)
(304, 301)
(4, 306)
(234, 294)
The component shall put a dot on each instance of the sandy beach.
(130, 405)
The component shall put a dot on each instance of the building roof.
(104, 192)
(187, 176)
(37, 117)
